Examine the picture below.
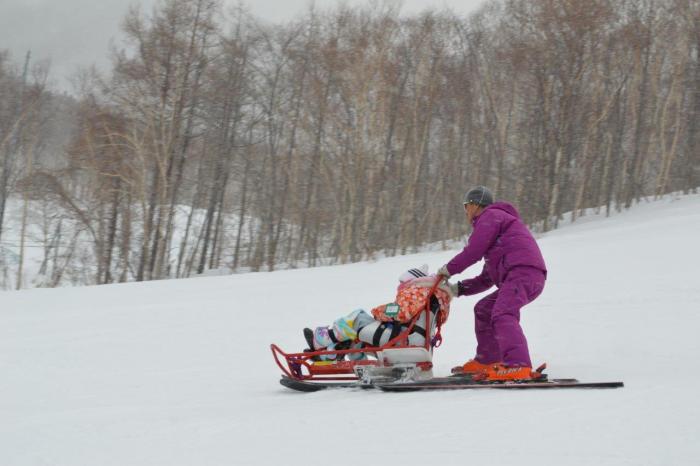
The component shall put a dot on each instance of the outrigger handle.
(436, 341)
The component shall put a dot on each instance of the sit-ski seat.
(392, 356)
(409, 364)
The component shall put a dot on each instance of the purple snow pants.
(497, 318)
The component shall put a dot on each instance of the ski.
(453, 382)
(442, 384)
(315, 386)
(308, 386)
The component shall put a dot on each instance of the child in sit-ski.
(388, 320)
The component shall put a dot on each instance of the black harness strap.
(331, 335)
(395, 331)
(377, 337)
(434, 305)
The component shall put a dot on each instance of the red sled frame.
(293, 364)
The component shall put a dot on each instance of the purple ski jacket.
(501, 238)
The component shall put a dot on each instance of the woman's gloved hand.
(454, 289)
(443, 271)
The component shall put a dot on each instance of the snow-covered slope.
(179, 372)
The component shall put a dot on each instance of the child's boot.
(320, 338)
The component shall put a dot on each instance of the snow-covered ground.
(179, 372)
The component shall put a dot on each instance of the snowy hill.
(179, 372)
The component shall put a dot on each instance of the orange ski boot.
(472, 367)
(501, 373)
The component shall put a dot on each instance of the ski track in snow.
(180, 373)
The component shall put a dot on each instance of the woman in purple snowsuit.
(513, 262)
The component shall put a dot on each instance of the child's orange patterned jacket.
(411, 298)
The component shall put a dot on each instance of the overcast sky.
(75, 33)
